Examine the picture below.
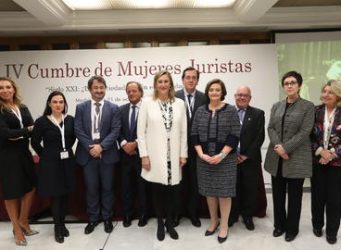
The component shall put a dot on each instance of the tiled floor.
(191, 238)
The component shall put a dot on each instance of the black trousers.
(245, 202)
(288, 221)
(163, 200)
(187, 197)
(132, 183)
(326, 196)
(58, 209)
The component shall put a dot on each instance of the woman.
(162, 142)
(17, 174)
(52, 139)
(326, 179)
(289, 156)
(215, 133)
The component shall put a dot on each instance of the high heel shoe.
(29, 231)
(223, 239)
(19, 242)
(208, 232)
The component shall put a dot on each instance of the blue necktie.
(189, 98)
(132, 119)
(241, 114)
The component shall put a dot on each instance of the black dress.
(17, 174)
(55, 176)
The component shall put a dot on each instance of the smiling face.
(7, 91)
(57, 104)
(328, 97)
(243, 97)
(134, 93)
(215, 92)
(97, 90)
(163, 86)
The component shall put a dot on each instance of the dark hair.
(98, 78)
(139, 86)
(190, 69)
(48, 110)
(222, 85)
(294, 74)
(171, 93)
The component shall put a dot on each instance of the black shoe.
(142, 221)
(172, 233)
(331, 239)
(249, 223)
(58, 234)
(108, 227)
(278, 232)
(290, 237)
(65, 231)
(127, 221)
(176, 221)
(90, 227)
(317, 232)
(208, 232)
(195, 221)
(223, 239)
(160, 234)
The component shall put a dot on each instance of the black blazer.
(252, 133)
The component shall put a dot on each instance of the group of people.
(177, 145)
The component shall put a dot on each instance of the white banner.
(39, 72)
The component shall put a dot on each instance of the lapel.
(247, 118)
(87, 117)
(104, 115)
(197, 101)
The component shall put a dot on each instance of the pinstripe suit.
(290, 125)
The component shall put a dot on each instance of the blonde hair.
(16, 96)
(171, 93)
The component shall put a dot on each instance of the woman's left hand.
(216, 159)
(182, 161)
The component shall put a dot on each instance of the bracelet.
(222, 155)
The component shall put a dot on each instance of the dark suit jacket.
(109, 132)
(199, 100)
(125, 130)
(252, 133)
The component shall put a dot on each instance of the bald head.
(243, 96)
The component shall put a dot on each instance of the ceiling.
(53, 17)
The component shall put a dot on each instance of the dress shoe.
(331, 239)
(278, 232)
(58, 233)
(223, 239)
(27, 231)
(208, 232)
(317, 232)
(249, 223)
(172, 233)
(65, 231)
(160, 234)
(18, 242)
(290, 237)
(176, 221)
(108, 227)
(90, 227)
(127, 221)
(232, 221)
(142, 221)
(195, 221)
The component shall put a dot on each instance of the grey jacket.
(298, 123)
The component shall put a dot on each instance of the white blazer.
(152, 140)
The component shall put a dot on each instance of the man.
(97, 127)
(130, 160)
(249, 159)
(193, 99)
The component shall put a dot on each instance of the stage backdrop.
(40, 72)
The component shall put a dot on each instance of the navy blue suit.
(98, 172)
(131, 168)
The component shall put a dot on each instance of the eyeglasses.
(292, 83)
(242, 95)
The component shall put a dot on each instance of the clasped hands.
(95, 150)
(281, 151)
(326, 156)
(213, 160)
